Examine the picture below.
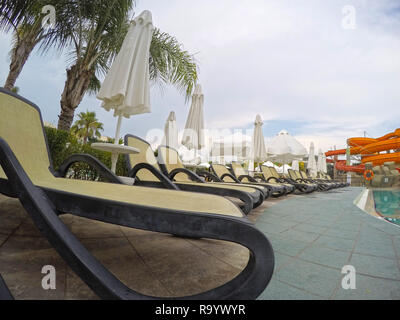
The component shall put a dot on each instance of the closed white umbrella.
(320, 161)
(193, 135)
(258, 151)
(126, 87)
(312, 164)
(324, 166)
(284, 148)
(171, 132)
(296, 165)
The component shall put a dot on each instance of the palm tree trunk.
(20, 55)
(78, 80)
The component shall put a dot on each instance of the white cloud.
(285, 60)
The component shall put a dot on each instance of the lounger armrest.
(250, 178)
(229, 176)
(273, 178)
(158, 174)
(101, 169)
(301, 180)
(189, 173)
(209, 175)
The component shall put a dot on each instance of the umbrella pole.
(118, 130)
(114, 156)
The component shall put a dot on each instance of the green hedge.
(63, 144)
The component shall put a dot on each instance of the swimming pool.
(387, 204)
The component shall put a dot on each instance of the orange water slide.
(370, 149)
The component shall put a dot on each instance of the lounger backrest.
(274, 172)
(238, 170)
(303, 175)
(269, 172)
(220, 170)
(298, 174)
(266, 172)
(146, 155)
(169, 159)
(21, 127)
(292, 174)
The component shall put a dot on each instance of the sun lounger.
(339, 183)
(144, 167)
(276, 190)
(322, 185)
(295, 176)
(321, 177)
(271, 175)
(26, 173)
(171, 164)
(222, 174)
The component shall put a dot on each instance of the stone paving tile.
(313, 278)
(163, 265)
(270, 228)
(368, 288)
(300, 235)
(3, 238)
(281, 259)
(118, 256)
(286, 246)
(278, 290)
(375, 266)
(325, 256)
(12, 215)
(310, 228)
(21, 263)
(380, 249)
(345, 234)
(396, 243)
(86, 228)
(335, 243)
(278, 221)
(77, 289)
(319, 223)
(182, 272)
(228, 252)
(27, 285)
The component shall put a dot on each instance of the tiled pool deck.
(313, 236)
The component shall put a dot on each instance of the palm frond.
(170, 63)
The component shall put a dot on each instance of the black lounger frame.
(44, 205)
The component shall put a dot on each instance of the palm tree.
(87, 126)
(171, 64)
(25, 18)
(96, 45)
(96, 30)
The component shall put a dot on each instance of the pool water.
(387, 204)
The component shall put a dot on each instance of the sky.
(310, 67)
